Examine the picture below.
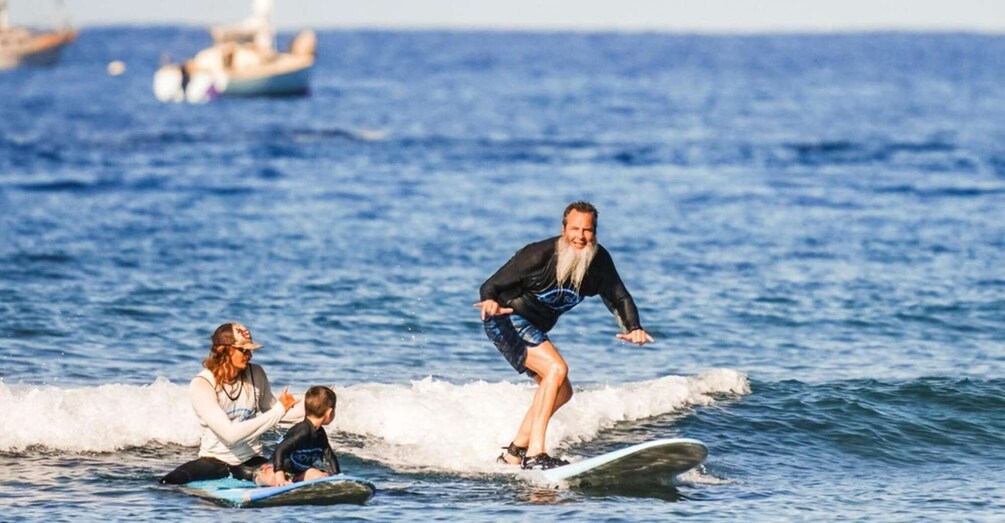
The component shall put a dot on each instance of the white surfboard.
(330, 490)
(656, 461)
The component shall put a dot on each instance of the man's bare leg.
(549, 365)
(522, 438)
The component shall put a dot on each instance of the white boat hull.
(288, 75)
(296, 82)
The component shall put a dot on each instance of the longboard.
(651, 462)
(330, 490)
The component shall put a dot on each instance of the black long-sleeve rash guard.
(302, 447)
(529, 284)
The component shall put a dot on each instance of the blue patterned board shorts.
(512, 334)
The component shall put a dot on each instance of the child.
(304, 444)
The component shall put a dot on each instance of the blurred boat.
(243, 61)
(20, 46)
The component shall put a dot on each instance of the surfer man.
(234, 403)
(522, 301)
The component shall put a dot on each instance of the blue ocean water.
(812, 226)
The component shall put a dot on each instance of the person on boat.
(304, 445)
(234, 403)
(523, 300)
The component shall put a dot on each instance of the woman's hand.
(287, 399)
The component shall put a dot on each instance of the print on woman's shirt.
(240, 414)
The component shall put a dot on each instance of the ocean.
(813, 227)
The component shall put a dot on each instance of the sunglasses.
(246, 352)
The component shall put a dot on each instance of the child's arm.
(291, 441)
(331, 461)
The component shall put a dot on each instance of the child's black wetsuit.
(302, 447)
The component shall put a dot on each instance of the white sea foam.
(698, 476)
(96, 419)
(426, 425)
(440, 426)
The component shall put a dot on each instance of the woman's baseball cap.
(234, 335)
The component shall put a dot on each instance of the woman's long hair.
(218, 362)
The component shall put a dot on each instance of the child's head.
(317, 402)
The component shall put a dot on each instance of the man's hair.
(319, 399)
(580, 206)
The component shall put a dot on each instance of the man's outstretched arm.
(620, 302)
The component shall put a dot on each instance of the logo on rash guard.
(560, 299)
(240, 414)
(304, 459)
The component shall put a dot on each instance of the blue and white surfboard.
(330, 490)
(658, 461)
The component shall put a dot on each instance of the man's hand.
(287, 399)
(637, 336)
(492, 308)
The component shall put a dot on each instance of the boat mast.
(62, 21)
(4, 20)
(261, 20)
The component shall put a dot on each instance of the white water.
(404, 426)
(96, 419)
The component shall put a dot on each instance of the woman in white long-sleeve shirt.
(234, 403)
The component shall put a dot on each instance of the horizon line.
(558, 28)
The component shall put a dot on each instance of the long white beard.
(573, 263)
